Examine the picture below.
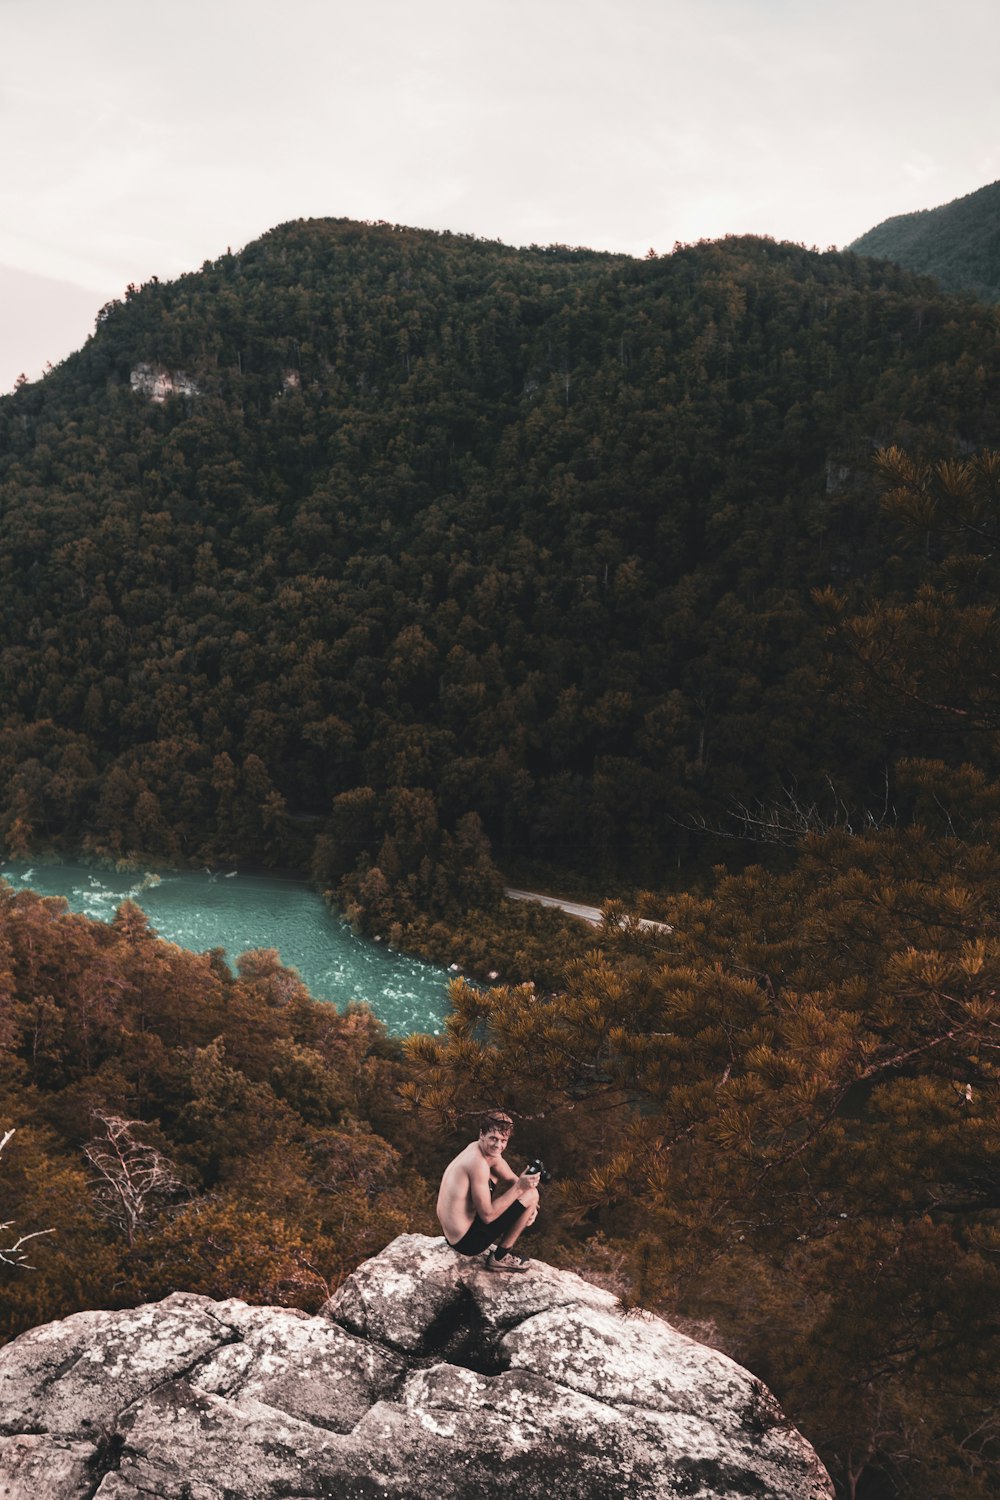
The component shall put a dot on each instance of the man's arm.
(503, 1173)
(489, 1208)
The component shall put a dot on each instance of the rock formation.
(425, 1375)
(157, 382)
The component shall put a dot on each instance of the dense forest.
(443, 561)
(958, 243)
(455, 532)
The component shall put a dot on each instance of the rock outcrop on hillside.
(159, 383)
(425, 1375)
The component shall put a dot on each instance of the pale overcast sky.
(141, 140)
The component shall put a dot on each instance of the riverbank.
(239, 911)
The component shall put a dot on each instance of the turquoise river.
(234, 911)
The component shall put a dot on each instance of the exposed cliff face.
(424, 1376)
(157, 382)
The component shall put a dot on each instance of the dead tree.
(132, 1175)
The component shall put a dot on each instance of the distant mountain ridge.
(958, 243)
(43, 319)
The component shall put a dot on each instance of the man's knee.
(530, 1199)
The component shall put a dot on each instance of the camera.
(538, 1169)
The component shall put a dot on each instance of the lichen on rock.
(424, 1375)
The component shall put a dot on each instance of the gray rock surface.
(426, 1375)
(157, 382)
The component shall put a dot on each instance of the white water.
(237, 912)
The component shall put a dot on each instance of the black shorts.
(479, 1235)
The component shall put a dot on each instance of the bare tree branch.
(14, 1254)
(788, 821)
(132, 1175)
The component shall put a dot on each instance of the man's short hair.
(496, 1119)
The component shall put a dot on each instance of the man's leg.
(502, 1259)
(510, 1237)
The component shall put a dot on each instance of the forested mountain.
(407, 559)
(435, 533)
(959, 243)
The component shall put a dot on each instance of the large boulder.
(426, 1375)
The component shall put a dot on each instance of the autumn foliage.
(179, 1126)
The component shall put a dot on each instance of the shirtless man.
(482, 1202)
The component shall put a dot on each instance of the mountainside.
(362, 545)
(363, 539)
(959, 243)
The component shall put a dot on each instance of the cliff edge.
(425, 1375)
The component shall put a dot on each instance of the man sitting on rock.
(482, 1202)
